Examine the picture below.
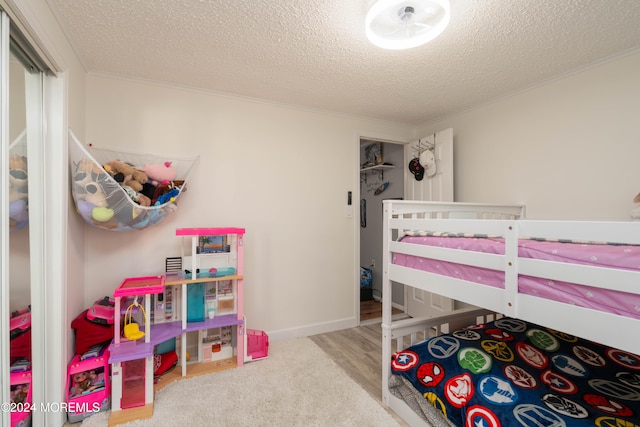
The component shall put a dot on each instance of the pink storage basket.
(257, 344)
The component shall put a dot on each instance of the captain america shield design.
(404, 361)
(479, 416)
(628, 360)
(557, 382)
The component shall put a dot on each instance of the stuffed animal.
(125, 174)
(89, 166)
(119, 170)
(18, 214)
(167, 197)
(94, 194)
(18, 178)
(160, 173)
(139, 198)
(104, 218)
(138, 179)
(163, 189)
(17, 162)
(131, 179)
(90, 184)
(86, 171)
(18, 192)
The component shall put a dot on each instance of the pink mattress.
(615, 256)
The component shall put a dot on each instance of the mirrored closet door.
(22, 130)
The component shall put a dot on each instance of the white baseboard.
(378, 298)
(306, 331)
(398, 306)
(322, 328)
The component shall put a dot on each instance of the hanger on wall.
(423, 145)
(424, 158)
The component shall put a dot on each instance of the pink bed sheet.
(615, 256)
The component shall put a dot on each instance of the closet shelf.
(376, 168)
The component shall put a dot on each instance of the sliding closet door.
(23, 162)
(4, 226)
(34, 111)
(33, 257)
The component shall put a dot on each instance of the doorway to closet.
(381, 178)
(384, 174)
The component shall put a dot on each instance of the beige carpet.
(298, 385)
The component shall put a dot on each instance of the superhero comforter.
(511, 372)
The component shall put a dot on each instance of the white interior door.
(436, 186)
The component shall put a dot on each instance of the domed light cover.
(403, 24)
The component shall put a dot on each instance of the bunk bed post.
(511, 269)
(386, 301)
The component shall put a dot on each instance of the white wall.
(280, 172)
(568, 149)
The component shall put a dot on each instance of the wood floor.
(359, 351)
(372, 309)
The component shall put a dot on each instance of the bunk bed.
(498, 266)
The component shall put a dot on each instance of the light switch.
(348, 212)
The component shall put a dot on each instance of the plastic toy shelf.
(137, 286)
(215, 231)
(131, 350)
(217, 322)
(179, 278)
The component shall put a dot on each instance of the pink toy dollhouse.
(132, 359)
(199, 308)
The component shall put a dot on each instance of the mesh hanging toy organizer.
(110, 204)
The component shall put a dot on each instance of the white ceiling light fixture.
(403, 24)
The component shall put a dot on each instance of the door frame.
(355, 206)
(439, 187)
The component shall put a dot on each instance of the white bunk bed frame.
(507, 221)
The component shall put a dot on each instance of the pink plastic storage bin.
(20, 398)
(88, 386)
(257, 344)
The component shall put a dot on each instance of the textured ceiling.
(314, 53)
